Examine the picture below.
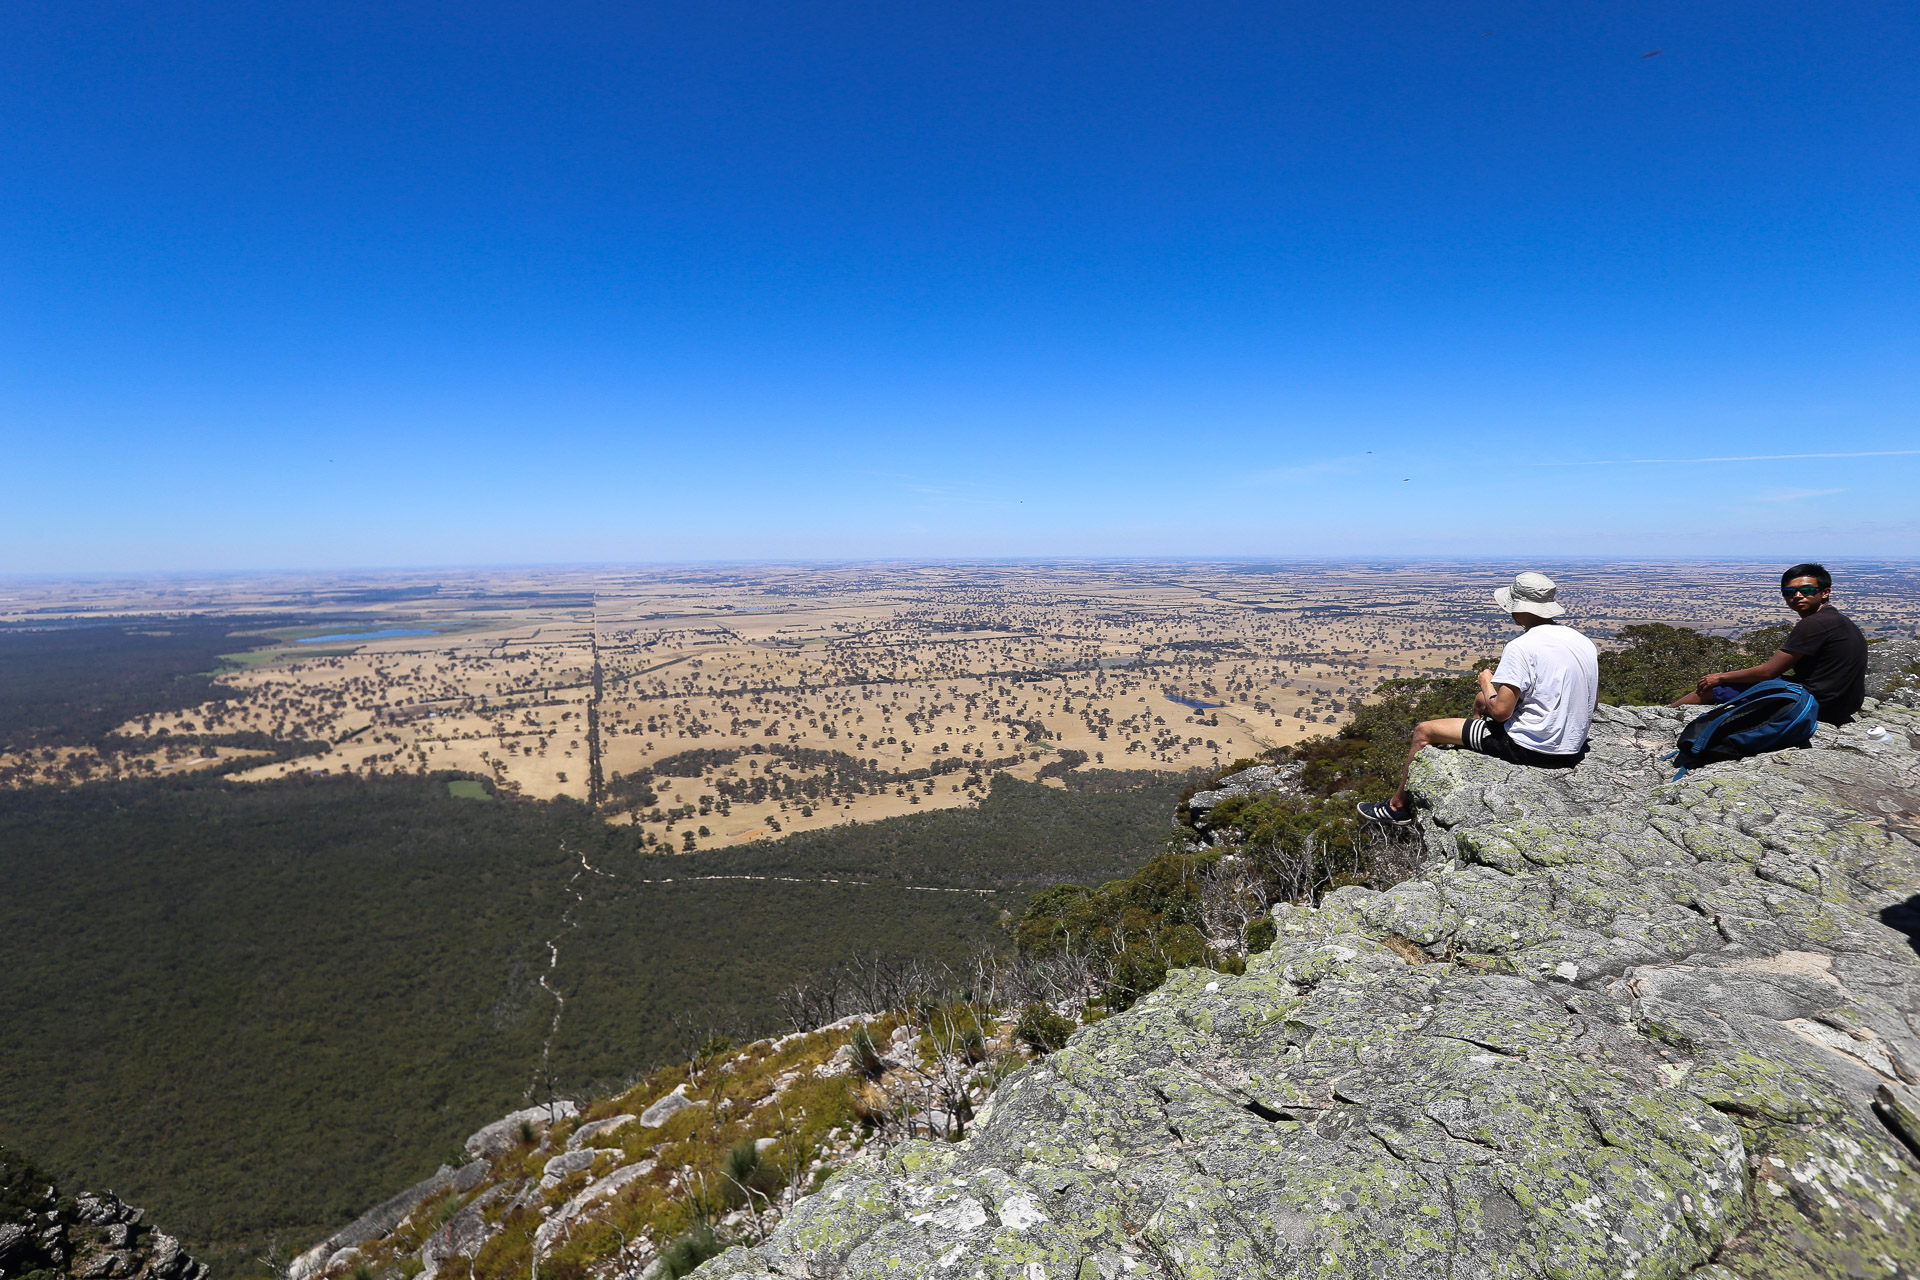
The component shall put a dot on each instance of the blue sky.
(294, 286)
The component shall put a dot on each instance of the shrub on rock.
(1041, 1029)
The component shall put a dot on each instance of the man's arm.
(1768, 670)
(1496, 701)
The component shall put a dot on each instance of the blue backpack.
(1769, 716)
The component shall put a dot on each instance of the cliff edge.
(1618, 1026)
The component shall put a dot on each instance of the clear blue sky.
(288, 285)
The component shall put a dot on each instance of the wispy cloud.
(1794, 495)
(1748, 457)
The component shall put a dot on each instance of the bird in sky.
(1656, 53)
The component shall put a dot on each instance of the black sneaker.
(1382, 811)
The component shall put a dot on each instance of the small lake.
(1195, 703)
(387, 633)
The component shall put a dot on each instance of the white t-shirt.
(1557, 671)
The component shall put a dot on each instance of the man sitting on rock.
(1826, 650)
(1536, 706)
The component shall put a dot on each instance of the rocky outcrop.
(1619, 1026)
(1893, 672)
(332, 1253)
(509, 1130)
(463, 1234)
(1260, 780)
(92, 1236)
(599, 1128)
(466, 1230)
(667, 1108)
(602, 1194)
(563, 1218)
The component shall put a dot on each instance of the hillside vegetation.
(257, 1009)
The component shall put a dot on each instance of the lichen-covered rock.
(1620, 1026)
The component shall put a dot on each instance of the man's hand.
(1483, 700)
(1771, 669)
(1498, 702)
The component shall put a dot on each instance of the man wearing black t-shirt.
(1827, 652)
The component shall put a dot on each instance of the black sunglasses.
(1801, 591)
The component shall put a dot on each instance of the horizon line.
(1346, 558)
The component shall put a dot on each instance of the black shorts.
(1489, 738)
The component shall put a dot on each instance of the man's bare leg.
(1693, 699)
(1428, 733)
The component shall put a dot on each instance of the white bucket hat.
(1530, 593)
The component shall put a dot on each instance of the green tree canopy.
(1660, 663)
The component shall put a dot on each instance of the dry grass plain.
(879, 688)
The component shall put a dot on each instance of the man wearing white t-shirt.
(1534, 709)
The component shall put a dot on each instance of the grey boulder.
(464, 1233)
(667, 1108)
(566, 1163)
(504, 1134)
(599, 1128)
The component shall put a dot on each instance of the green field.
(468, 789)
(259, 1009)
